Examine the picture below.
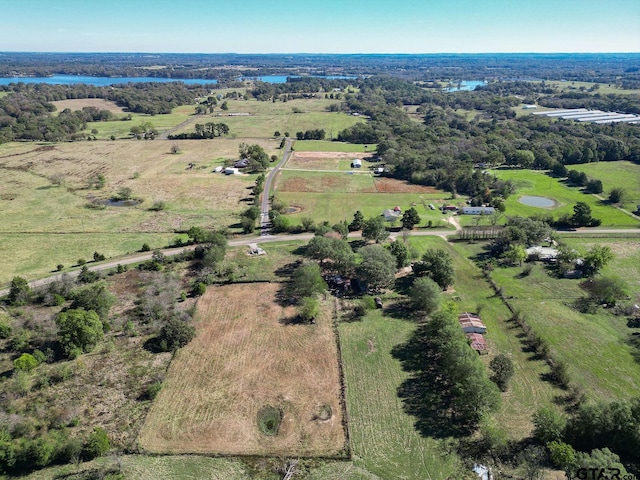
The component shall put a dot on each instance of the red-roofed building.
(471, 323)
(478, 343)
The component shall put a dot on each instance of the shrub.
(502, 367)
(96, 445)
(153, 390)
(25, 362)
(145, 247)
(176, 334)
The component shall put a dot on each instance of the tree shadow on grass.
(424, 395)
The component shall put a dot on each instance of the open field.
(529, 182)
(31, 203)
(383, 436)
(328, 146)
(603, 88)
(265, 118)
(80, 103)
(620, 174)
(331, 160)
(246, 357)
(121, 128)
(593, 345)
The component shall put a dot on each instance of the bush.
(502, 367)
(25, 362)
(96, 445)
(145, 247)
(176, 334)
(199, 289)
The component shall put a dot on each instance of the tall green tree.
(400, 250)
(358, 221)
(374, 229)
(378, 267)
(79, 331)
(410, 218)
(425, 295)
(19, 292)
(437, 264)
(306, 281)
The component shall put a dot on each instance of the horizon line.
(313, 53)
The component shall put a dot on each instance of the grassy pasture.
(620, 174)
(31, 203)
(121, 128)
(529, 182)
(265, 118)
(592, 345)
(527, 390)
(245, 357)
(80, 103)
(603, 89)
(383, 437)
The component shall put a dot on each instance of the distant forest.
(619, 69)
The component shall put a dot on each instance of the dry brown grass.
(243, 358)
(80, 103)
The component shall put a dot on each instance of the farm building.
(356, 163)
(218, 169)
(542, 253)
(478, 210)
(242, 163)
(529, 107)
(379, 170)
(391, 215)
(449, 208)
(471, 323)
(231, 171)
(478, 343)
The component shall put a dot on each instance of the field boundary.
(343, 384)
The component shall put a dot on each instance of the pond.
(534, 201)
(122, 203)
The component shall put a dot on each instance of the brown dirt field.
(243, 359)
(324, 183)
(80, 103)
(391, 185)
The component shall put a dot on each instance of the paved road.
(266, 194)
(267, 238)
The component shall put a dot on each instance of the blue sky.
(326, 26)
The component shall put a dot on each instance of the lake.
(100, 81)
(465, 85)
(105, 81)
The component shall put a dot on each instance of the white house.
(478, 210)
(231, 171)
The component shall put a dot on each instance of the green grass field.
(384, 440)
(335, 207)
(121, 128)
(621, 174)
(529, 182)
(603, 88)
(592, 345)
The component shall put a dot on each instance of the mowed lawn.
(529, 182)
(383, 438)
(328, 146)
(246, 357)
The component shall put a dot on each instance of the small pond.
(534, 201)
(122, 203)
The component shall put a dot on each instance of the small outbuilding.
(548, 254)
(218, 169)
(231, 171)
(478, 343)
(391, 215)
(471, 323)
(356, 163)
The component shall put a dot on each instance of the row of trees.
(207, 131)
